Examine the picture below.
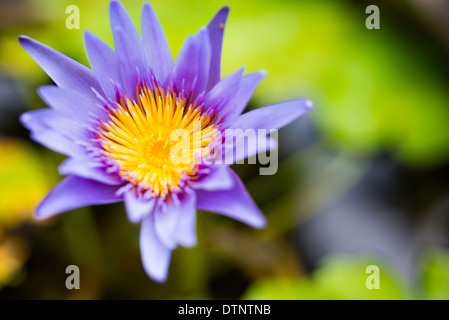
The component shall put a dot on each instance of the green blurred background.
(363, 178)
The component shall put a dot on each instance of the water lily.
(115, 122)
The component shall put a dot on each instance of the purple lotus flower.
(114, 123)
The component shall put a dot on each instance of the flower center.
(157, 141)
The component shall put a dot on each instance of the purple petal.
(267, 118)
(235, 203)
(65, 72)
(82, 167)
(137, 207)
(155, 255)
(72, 103)
(48, 137)
(191, 70)
(103, 61)
(216, 30)
(253, 147)
(166, 219)
(240, 144)
(186, 227)
(70, 128)
(74, 192)
(243, 95)
(120, 19)
(56, 142)
(223, 91)
(219, 178)
(155, 45)
(275, 116)
(128, 47)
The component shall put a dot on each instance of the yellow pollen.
(138, 136)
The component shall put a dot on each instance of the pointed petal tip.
(219, 19)
(147, 6)
(41, 213)
(222, 14)
(114, 3)
(308, 104)
(38, 218)
(147, 10)
(257, 221)
(41, 217)
(88, 35)
(117, 14)
(31, 44)
(24, 118)
(225, 9)
(260, 223)
(160, 278)
(26, 42)
(189, 245)
(23, 38)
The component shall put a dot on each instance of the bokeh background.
(362, 180)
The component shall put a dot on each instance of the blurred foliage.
(22, 185)
(436, 275)
(13, 254)
(22, 181)
(343, 277)
(338, 278)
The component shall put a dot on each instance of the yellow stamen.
(137, 137)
